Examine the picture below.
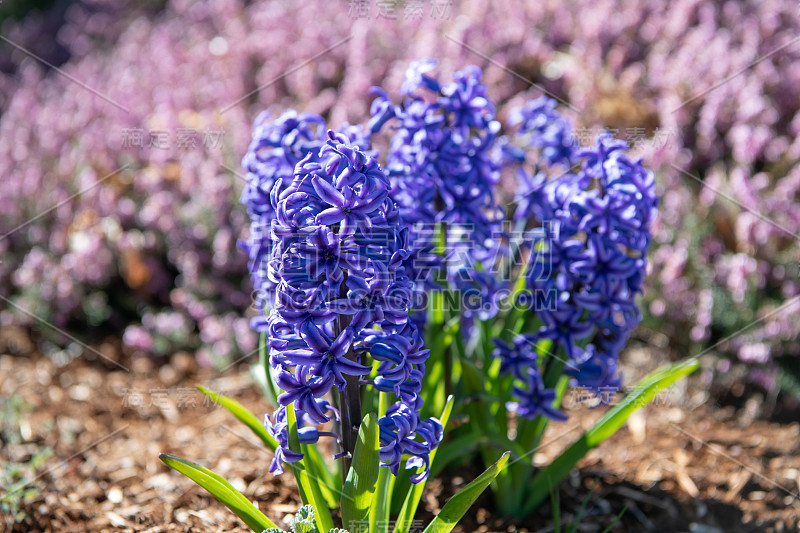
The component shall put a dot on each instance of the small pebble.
(115, 495)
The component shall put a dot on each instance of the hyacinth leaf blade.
(436, 308)
(261, 371)
(221, 490)
(555, 499)
(329, 480)
(529, 437)
(485, 346)
(437, 340)
(514, 320)
(244, 415)
(311, 487)
(414, 494)
(380, 508)
(308, 486)
(458, 340)
(362, 480)
(530, 432)
(457, 506)
(617, 518)
(644, 392)
(475, 384)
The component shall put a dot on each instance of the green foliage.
(366, 493)
(369, 489)
(221, 490)
(307, 481)
(414, 494)
(456, 506)
(17, 478)
(17, 488)
(641, 395)
(360, 486)
(483, 393)
(12, 409)
(303, 522)
(244, 416)
(262, 372)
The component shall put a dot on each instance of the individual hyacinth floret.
(342, 301)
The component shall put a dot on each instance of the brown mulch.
(681, 465)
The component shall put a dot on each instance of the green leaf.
(261, 371)
(616, 520)
(221, 490)
(245, 416)
(379, 510)
(307, 485)
(414, 494)
(438, 338)
(473, 379)
(579, 516)
(329, 482)
(512, 322)
(381, 502)
(436, 307)
(362, 479)
(456, 506)
(642, 393)
(555, 498)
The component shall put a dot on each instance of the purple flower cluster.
(590, 259)
(444, 162)
(442, 158)
(277, 147)
(335, 257)
(545, 129)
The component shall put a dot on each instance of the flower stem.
(439, 206)
(350, 396)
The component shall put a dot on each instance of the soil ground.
(682, 464)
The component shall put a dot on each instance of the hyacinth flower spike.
(342, 293)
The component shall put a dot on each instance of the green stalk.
(441, 248)
(350, 395)
(381, 503)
